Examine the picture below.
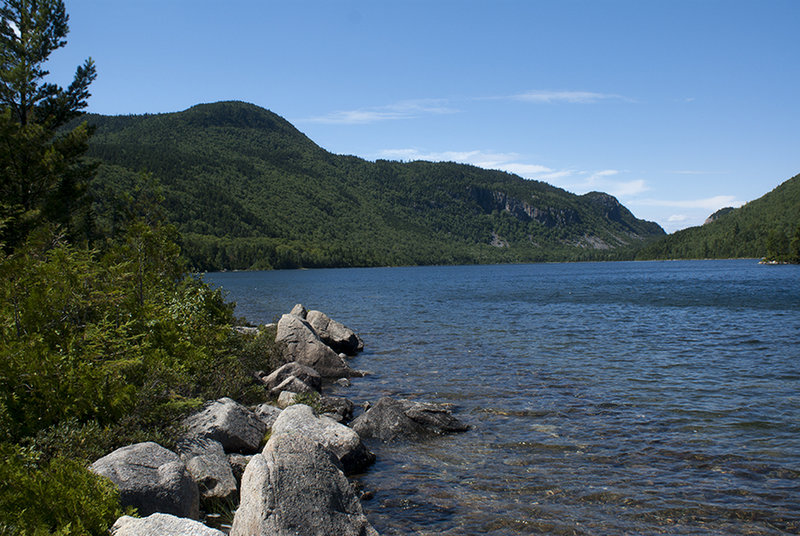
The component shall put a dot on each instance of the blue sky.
(676, 107)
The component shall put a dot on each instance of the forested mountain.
(767, 227)
(248, 190)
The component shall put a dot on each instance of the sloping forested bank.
(248, 190)
(766, 227)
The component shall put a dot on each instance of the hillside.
(248, 190)
(743, 232)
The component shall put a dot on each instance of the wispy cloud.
(709, 203)
(409, 109)
(577, 181)
(696, 172)
(607, 180)
(485, 159)
(571, 97)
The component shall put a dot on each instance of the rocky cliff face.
(490, 201)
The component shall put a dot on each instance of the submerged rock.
(390, 419)
(296, 486)
(151, 479)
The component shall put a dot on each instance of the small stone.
(299, 311)
(286, 399)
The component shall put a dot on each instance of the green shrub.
(311, 399)
(56, 497)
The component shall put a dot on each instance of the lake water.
(604, 398)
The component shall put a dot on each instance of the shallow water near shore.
(604, 398)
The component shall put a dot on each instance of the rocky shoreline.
(276, 468)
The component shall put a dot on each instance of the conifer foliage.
(43, 175)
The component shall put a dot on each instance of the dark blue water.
(605, 398)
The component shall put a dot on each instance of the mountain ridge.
(247, 189)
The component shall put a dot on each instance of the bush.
(56, 497)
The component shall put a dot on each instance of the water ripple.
(604, 399)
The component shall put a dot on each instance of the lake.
(604, 398)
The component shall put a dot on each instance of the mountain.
(743, 232)
(248, 190)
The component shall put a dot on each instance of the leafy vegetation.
(104, 338)
(767, 227)
(247, 190)
(109, 346)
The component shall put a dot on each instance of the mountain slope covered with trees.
(248, 190)
(767, 227)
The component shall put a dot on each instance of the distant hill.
(743, 232)
(248, 190)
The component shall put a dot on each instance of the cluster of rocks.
(313, 339)
(285, 468)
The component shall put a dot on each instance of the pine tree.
(42, 171)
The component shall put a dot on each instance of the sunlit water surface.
(604, 398)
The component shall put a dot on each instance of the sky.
(678, 108)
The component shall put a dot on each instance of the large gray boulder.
(302, 344)
(151, 479)
(237, 428)
(391, 419)
(342, 441)
(335, 334)
(161, 525)
(293, 377)
(296, 486)
(208, 464)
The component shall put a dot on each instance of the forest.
(247, 190)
